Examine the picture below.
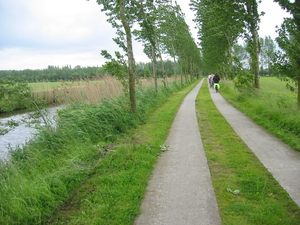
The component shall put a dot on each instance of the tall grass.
(272, 106)
(86, 90)
(41, 175)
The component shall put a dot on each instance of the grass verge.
(246, 192)
(272, 107)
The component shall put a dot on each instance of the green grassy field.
(44, 86)
(273, 83)
(278, 87)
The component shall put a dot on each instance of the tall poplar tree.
(148, 34)
(252, 23)
(220, 23)
(287, 64)
(123, 11)
(177, 40)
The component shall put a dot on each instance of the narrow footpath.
(280, 159)
(180, 191)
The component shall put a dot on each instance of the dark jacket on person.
(216, 79)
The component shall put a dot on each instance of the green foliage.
(220, 24)
(13, 95)
(174, 35)
(116, 66)
(287, 63)
(218, 30)
(243, 81)
(103, 121)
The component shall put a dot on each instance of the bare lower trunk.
(130, 56)
(252, 13)
(255, 58)
(154, 62)
(298, 92)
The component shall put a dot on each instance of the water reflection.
(23, 132)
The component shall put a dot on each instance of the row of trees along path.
(160, 26)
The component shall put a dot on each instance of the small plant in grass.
(164, 148)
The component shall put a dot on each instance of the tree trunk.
(174, 60)
(298, 97)
(154, 62)
(297, 21)
(163, 71)
(255, 56)
(253, 22)
(130, 56)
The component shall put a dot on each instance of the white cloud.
(273, 17)
(38, 33)
(66, 20)
(16, 58)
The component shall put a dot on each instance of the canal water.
(19, 127)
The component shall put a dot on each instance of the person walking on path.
(210, 80)
(216, 80)
(180, 190)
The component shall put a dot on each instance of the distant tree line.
(67, 73)
(52, 73)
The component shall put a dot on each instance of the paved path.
(281, 160)
(180, 191)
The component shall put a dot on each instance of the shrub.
(13, 95)
(243, 81)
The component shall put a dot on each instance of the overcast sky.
(38, 33)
